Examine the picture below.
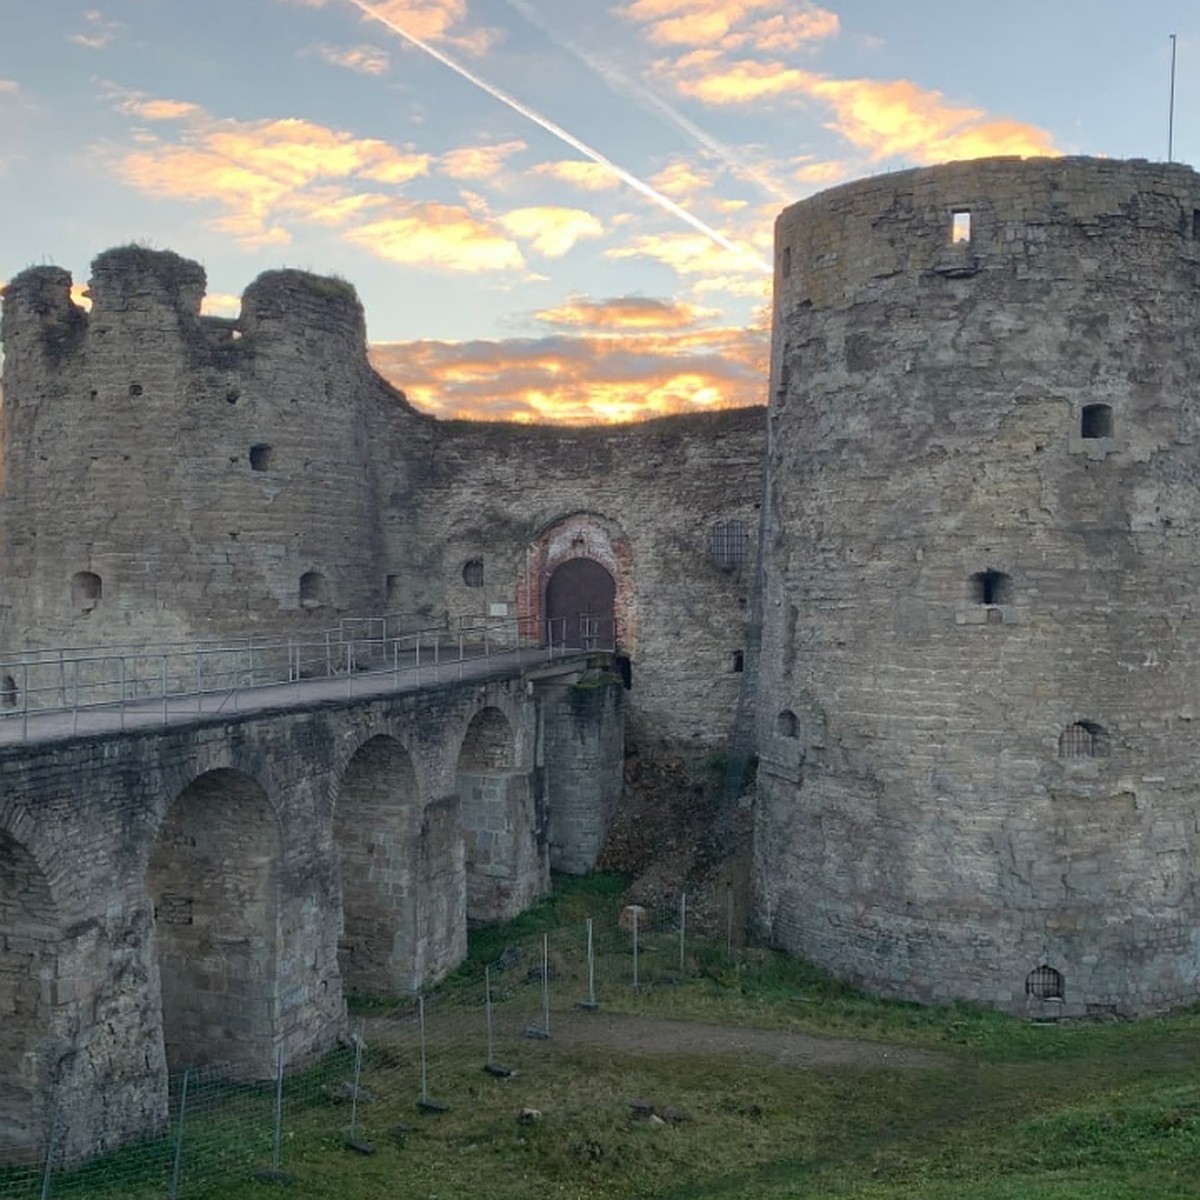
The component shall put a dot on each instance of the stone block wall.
(172, 476)
(979, 668)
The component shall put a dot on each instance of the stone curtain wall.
(642, 500)
(171, 476)
(966, 561)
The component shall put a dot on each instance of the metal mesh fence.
(403, 1061)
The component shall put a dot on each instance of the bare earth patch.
(651, 1035)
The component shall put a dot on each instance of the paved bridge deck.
(36, 726)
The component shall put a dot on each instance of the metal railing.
(165, 680)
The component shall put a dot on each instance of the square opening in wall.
(1096, 421)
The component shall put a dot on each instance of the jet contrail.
(551, 127)
(620, 82)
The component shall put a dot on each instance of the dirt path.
(651, 1035)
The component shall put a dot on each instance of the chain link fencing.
(403, 1061)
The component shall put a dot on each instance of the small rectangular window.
(960, 226)
(1196, 223)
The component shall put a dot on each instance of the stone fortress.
(948, 577)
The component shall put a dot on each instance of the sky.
(553, 210)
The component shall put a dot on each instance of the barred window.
(1044, 983)
(728, 544)
(472, 572)
(1084, 739)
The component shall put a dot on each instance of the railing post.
(164, 687)
(251, 652)
(75, 697)
(328, 657)
(418, 655)
(122, 691)
(396, 662)
(199, 680)
(349, 668)
(24, 701)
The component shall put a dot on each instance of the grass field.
(1002, 1109)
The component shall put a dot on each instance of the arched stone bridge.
(211, 890)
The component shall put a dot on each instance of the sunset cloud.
(97, 32)
(622, 314)
(262, 175)
(580, 379)
(366, 60)
(588, 176)
(443, 21)
(766, 25)
(478, 162)
(443, 236)
(687, 254)
(899, 119)
(9, 87)
(884, 118)
(551, 231)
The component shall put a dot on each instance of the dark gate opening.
(579, 606)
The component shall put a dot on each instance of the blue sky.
(606, 268)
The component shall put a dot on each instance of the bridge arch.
(377, 834)
(213, 882)
(30, 941)
(498, 820)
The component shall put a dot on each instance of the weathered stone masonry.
(980, 653)
(208, 893)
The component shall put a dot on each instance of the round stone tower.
(979, 700)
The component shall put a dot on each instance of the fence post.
(178, 1164)
(546, 984)
(349, 669)
(25, 702)
(682, 930)
(729, 920)
(634, 911)
(75, 697)
(487, 1009)
(122, 691)
(164, 687)
(199, 681)
(328, 656)
(278, 1109)
(51, 1144)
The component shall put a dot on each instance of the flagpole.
(1171, 108)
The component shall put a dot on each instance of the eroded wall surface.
(979, 670)
(209, 893)
(173, 477)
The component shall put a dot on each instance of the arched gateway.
(580, 597)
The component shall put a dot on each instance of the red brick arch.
(579, 535)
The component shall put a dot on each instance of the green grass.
(1007, 1110)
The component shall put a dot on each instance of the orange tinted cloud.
(623, 313)
(588, 176)
(772, 25)
(552, 232)
(436, 21)
(366, 60)
(478, 162)
(445, 236)
(886, 118)
(899, 119)
(581, 379)
(688, 254)
(262, 175)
